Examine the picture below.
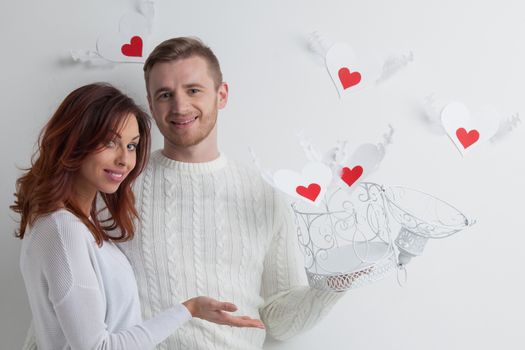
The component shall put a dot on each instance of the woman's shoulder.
(60, 225)
(55, 219)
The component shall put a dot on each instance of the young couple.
(113, 235)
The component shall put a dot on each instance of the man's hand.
(218, 312)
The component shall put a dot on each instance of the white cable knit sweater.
(217, 229)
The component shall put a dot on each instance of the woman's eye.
(132, 146)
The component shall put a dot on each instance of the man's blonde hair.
(180, 48)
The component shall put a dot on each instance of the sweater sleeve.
(290, 307)
(30, 341)
(78, 302)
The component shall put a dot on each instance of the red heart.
(310, 193)
(467, 139)
(348, 79)
(349, 176)
(134, 48)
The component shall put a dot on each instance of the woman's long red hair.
(81, 125)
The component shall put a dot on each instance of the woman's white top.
(83, 296)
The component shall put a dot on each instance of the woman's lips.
(114, 176)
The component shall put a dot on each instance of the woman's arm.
(79, 304)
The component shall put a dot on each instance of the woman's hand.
(219, 312)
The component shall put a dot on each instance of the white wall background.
(465, 292)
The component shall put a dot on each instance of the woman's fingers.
(219, 312)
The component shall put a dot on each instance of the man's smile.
(183, 123)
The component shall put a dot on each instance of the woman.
(81, 288)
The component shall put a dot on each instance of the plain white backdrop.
(464, 292)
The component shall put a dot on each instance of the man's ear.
(222, 95)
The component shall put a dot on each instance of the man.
(209, 226)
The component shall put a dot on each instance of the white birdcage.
(346, 240)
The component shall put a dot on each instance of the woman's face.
(105, 170)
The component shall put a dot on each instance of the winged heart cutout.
(128, 43)
(469, 130)
(308, 185)
(347, 71)
(352, 169)
(352, 72)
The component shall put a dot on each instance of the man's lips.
(183, 122)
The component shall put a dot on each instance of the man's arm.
(290, 307)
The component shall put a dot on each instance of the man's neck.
(191, 154)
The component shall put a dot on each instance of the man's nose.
(179, 104)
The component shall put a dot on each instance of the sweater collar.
(196, 168)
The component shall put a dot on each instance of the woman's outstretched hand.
(219, 312)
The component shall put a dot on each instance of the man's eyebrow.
(190, 85)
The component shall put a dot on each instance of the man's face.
(184, 101)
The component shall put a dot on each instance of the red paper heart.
(467, 139)
(310, 193)
(134, 48)
(350, 176)
(348, 79)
